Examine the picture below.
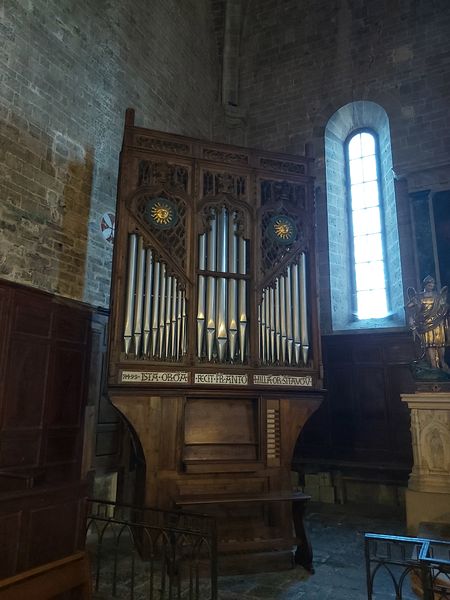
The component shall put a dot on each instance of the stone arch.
(350, 117)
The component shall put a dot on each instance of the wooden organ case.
(214, 356)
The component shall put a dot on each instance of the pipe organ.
(214, 351)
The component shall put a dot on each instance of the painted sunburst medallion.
(283, 229)
(161, 213)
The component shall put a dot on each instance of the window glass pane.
(366, 221)
(354, 147)
(364, 195)
(369, 168)
(356, 171)
(372, 304)
(368, 247)
(368, 256)
(370, 275)
(367, 143)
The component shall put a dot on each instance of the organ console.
(214, 348)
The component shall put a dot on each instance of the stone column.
(428, 493)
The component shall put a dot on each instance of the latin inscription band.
(221, 379)
(213, 378)
(290, 380)
(155, 377)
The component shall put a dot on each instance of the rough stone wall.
(302, 61)
(68, 72)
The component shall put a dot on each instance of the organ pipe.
(211, 290)
(295, 312)
(201, 294)
(277, 321)
(148, 300)
(168, 318)
(155, 306)
(155, 311)
(129, 306)
(282, 318)
(263, 327)
(290, 340)
(232, 287)
(222, 256)
(303, 310)
(138, 303)
(242, 298)
(162, 309)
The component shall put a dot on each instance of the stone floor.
(337, 536)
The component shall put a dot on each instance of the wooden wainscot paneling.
(44, 358)
(363, 420)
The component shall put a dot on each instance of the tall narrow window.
(370, 277)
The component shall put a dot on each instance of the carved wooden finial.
(129, 117)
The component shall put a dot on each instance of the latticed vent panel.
(273, 434)
(272, 251)
(172, 239)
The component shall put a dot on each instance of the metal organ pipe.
(242, 298)
(148, 301)
(283, 318)
(162, 309)
(232, 287)
(295, 312)
(155, 311)
(201, 294)
(222, 259)
(155, 308)
(138, 303)
(277, 321)
(290, 339)
(131, 280)
(211, 289)
(222, 301)
(303, 310)
(168, 319)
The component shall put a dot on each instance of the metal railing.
(407, 567)
(154, 554)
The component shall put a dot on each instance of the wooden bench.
(50, 580)
(303, 554)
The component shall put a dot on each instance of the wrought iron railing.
(407, 567)
(154, 554)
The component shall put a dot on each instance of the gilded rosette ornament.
(161, 213)
(283, 229)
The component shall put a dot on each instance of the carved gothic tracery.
(164, 174)
(216, 183)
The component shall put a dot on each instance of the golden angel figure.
(428, 319)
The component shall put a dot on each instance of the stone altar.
(428, 493)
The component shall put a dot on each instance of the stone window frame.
(359, 115)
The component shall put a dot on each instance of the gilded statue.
(428, 317)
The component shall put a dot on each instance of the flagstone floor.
(337, 536)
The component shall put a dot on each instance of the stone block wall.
(68, 72)
(302, 61)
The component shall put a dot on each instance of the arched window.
(366, 226)
(366, 289)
